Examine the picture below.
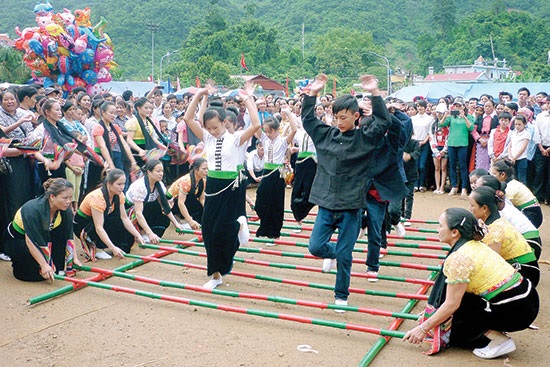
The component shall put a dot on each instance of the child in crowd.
(497, 139)
(517, 148)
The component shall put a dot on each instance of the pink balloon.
(103, 56)
(80, 44)
(103, 76)
(94, 89)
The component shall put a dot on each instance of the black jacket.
(342, 169)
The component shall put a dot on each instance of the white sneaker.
(102, 255)
(400, 229)
(407, 223)
(328, 265)
(374, 276)
(381, 256)
(4, 257)
(212, 283)
(490, 352)
(340, 302)
(270, 244)
(244, 233)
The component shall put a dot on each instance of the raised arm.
(189, 116)
(246, 96)
(293, 125)
(380, 113)
(308, 105)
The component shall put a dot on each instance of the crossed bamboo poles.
(163, 251)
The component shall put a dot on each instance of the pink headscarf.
(527, 113)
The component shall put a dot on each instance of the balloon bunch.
(64, 48)
(302, 86)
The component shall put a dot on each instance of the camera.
(455, 113)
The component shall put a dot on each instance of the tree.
(444, 15)
(12, 68)
(342, 52)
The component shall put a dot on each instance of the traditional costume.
(53, 239)
(497, 297)
(514, 248)
(223, 200)
(304, 173)
(270, 196)
(84, 227)
(155, 204)
(193, 191)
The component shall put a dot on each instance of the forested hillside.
(338, 36)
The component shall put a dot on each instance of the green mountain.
(299, 38)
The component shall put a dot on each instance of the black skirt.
(303, 180)
(219, 224)
(24, 265)
(158, 222)
(120, 237)
(474, 317)
(270, 204)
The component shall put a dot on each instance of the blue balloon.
(87, 57)
(76, 63)
(70, 80)
(93, 41)
(52, 48)
(48, 82)
(36, 47)
(60, 79)
(89, 76)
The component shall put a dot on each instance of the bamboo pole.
(294, 282)
(381, 342)
(235, 309)
(74, 286)
(247, 295)
(290, 266)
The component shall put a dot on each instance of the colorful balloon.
(36, 47)
(80, 44)
(94, 90)
(44, 20)
(100, 27)
(82, 17)
(54, 30)
(89, 76)
(103, 56)
(43, 8)
(64, 48)
(87, 57)
(103, 76)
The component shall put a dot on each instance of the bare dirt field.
(98, 327)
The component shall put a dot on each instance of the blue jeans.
(376, 212)
(422, 162)
(520, 170)
(458, 156)
(347, 222)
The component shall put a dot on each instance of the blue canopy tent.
(433, 91)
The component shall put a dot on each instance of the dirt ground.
(97, 327)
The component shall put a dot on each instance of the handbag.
(439, 336)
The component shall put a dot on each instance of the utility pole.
(387, 67)
(303, 41)
(153, 28)
(168, 54)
